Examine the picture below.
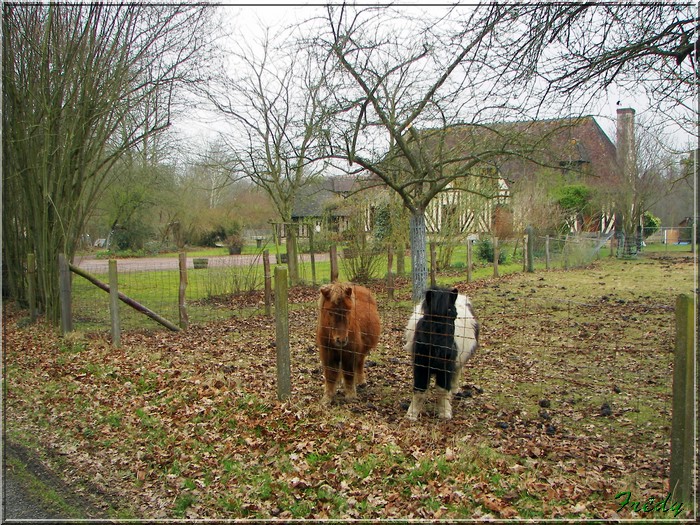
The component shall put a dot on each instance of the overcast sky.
(245, 22)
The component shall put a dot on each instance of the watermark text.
(650, 505)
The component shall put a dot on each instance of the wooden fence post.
(31, 286)
(525, 254)
(612, 245)
(268, 283)
(530, 249)
(284, 370)
(495, 256)
(683, 417)
(469, 260)
(401, 260)
(182, 305)
(334, 263)
(433, 264)
(64, 282)
(114, 304)
(546, 252)
(123, 298)
(390, 274)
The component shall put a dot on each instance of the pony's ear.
(453, 295)
(430, 297)
(326, 291)
(348, 291)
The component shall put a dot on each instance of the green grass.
(182, 503)
(47, 495)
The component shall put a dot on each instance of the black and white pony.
(441, 334)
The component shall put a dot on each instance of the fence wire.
(218, 286)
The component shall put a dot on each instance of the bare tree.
(82, 85)
(412, 106)
(407, 84)
(274, 105)
(643, 186)
(587, 48)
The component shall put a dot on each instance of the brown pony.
(348, 328)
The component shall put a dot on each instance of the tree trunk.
(419, 261)
(400, 264)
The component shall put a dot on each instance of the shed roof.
(314, 198)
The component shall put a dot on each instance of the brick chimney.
(626, 151)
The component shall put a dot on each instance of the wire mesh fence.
(213, 282)
(584, 386)
(156, 285)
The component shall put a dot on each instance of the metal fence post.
(469, 260)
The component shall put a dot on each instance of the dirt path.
(31, 491)
(90, 264)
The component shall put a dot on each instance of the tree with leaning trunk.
(82, 86)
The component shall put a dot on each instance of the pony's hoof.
(351, 393)
(412, 414)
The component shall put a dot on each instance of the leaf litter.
(188, 425)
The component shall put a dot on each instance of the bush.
(213, 236)
(131, 235)
(361, 258)
(651, 224)
(234, 239)
(484, 251)
(228, 280)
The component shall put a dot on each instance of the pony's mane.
(336, 292)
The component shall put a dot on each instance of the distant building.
(577, 147)
(321, 205)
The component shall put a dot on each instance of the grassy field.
(566, 405)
